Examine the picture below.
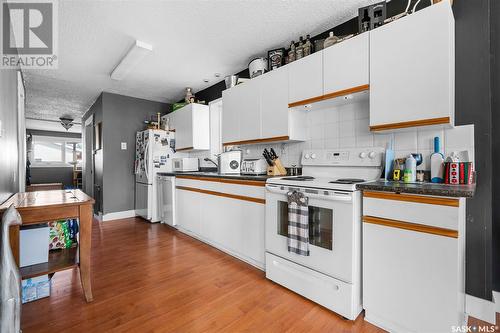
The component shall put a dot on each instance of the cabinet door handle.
(411, 226)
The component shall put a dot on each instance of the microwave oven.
(185, 164)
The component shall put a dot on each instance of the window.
(55, 151)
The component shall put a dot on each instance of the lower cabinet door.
(188, 211)
(252, 231)
(233, 225)
(410, 280)
(219, 221)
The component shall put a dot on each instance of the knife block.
(277, 169)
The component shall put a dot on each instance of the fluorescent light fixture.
(138, 51)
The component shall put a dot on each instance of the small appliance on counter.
(254, 166)
(230, 162)
(185, 164)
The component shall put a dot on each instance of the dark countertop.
(262, 178)
(459, 191)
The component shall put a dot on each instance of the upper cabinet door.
(201, 126)
(249, 109)
(412, 69)
(274, 103)
(345, 65)
(230, 114)
(306, 78)
(184, 128)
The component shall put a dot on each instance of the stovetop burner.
(347, 181)
(299, 178)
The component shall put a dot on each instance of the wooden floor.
(151, 278)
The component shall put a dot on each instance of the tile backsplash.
(347, 126)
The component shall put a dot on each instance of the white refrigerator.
(153, 154)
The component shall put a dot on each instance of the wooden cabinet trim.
(35, 215)
(306, 101)
(221, 194)
(413, 123)
(187, 148)
(344, 92)
(246, 142)
(411, 226)
(412, 198)
(331, 95)
(224, 180)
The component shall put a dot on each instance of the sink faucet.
(206, 159)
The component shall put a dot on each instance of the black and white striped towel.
(298, 223)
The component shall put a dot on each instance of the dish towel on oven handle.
(298, 223)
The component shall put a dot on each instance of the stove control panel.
(371, 156)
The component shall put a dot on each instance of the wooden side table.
(46, 206)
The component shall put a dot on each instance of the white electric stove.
(331, 274)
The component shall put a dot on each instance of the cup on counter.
(420, 175)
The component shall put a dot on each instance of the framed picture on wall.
(98, 136)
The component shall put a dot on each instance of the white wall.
(347, 126)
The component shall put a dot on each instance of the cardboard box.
(34, 245)
(35, 288)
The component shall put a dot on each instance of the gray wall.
(40, 175)
(9, 147)
(122, 116)
(93, 163)
(495, 71)
(473, 106)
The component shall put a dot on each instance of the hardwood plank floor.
(151, 278)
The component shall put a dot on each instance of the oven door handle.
(332, 196)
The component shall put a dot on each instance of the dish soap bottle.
(437, 163)
(410, 169)
(332, 39)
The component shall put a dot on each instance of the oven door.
(334, 230)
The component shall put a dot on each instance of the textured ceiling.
(191, 41)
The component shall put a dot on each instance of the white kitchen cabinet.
(188, 210)
(257, 111)
(227, 216)
(231, 102)
(412, 70)
(249, 110)
(345, 65)
(274, 104)
(306, 78)
(220, 226)
(252, 230)
(413, 262)
(192, 127)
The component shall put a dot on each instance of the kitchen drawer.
(218, 185)
(418, 209)
(322, 289)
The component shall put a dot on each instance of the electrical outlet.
(124, 146)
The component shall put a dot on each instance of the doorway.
(88, 160)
